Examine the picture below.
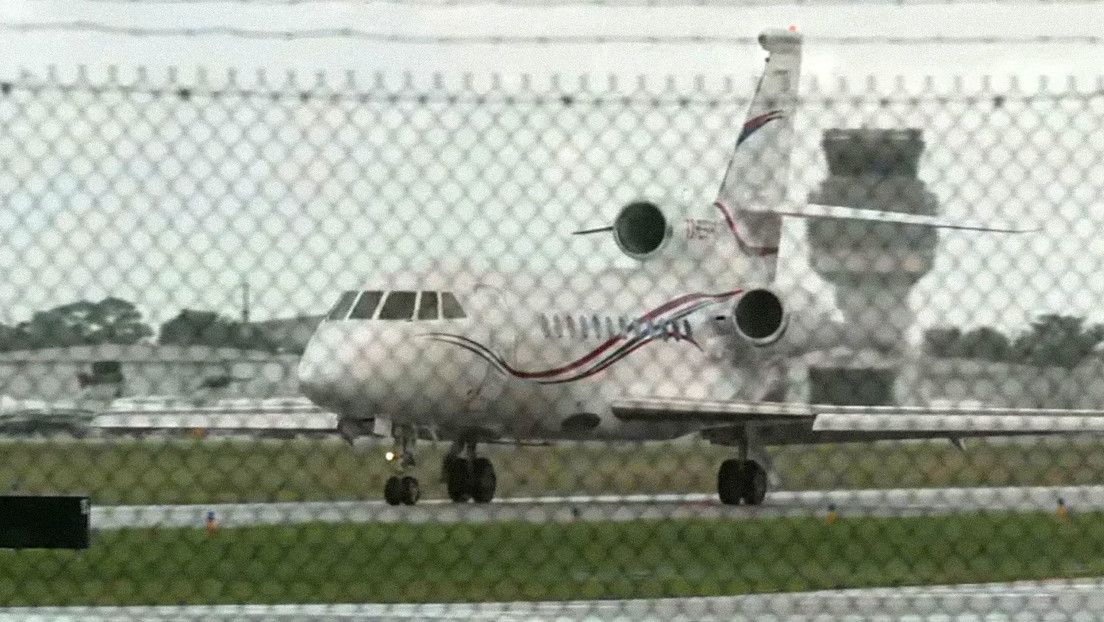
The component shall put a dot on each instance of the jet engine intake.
(641, 230)
(759, 317)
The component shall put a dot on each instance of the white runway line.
(1082, 599)
(888, 503)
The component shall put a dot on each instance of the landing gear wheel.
(458, 478)
(729, 482)
(483, 480)
(754, 488)
(392, 491)
(741, 480)
(410, 490)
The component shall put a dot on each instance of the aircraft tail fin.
(759, 171)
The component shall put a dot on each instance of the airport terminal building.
(146, 369)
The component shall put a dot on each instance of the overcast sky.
(323, 216)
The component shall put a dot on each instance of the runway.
(885, 503)
(998, 602)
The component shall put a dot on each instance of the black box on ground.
(44, 521)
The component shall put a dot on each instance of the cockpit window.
(398, 306)
(427, 308)
(450, 307)
(366, 306)
(341, 308)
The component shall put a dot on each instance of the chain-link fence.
(568, 370)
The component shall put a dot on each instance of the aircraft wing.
(235, 415)
(836, 423)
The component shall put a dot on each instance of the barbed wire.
(471, 95)
(494, 39)
(600, 3)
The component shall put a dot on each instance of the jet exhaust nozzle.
(642, 230)
(759, 317)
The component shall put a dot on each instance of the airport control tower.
(873, 266)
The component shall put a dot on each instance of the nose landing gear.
(402, 488)
(467, 476)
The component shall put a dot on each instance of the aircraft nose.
(320, 367)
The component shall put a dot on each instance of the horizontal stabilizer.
(815, 210)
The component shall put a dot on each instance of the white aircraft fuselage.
(521, 366)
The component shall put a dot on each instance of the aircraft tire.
(753, 488)
(410, 492)
(730, 482)
(392, 491)
(458, 479)
(483, 480)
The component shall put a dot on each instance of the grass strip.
(226, 471)
(518, 561)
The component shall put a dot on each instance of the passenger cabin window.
(450, 307)
(341, 308)
(398, 306)
(365, 307)
(428, 307)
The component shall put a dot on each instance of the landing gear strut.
(402, 488)
(467, 476)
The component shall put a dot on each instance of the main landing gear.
(468, 476)
(402, 488)
(742, 480)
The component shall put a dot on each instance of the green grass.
(138, 472)
(515, 561)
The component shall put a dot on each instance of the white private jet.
(688, 341)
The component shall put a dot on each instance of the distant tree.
(1057, 340)
(12, 338)
(942, 341)
(207, 328)
(112, 320)
(985, 343)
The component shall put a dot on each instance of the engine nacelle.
(759, 317)
(642, 230)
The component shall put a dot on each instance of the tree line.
(1051, 340)
(117, 321)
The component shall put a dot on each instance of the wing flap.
(661, 409)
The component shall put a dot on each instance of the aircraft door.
(491, 310)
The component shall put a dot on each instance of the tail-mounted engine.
(759, 317)
(642, 230)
